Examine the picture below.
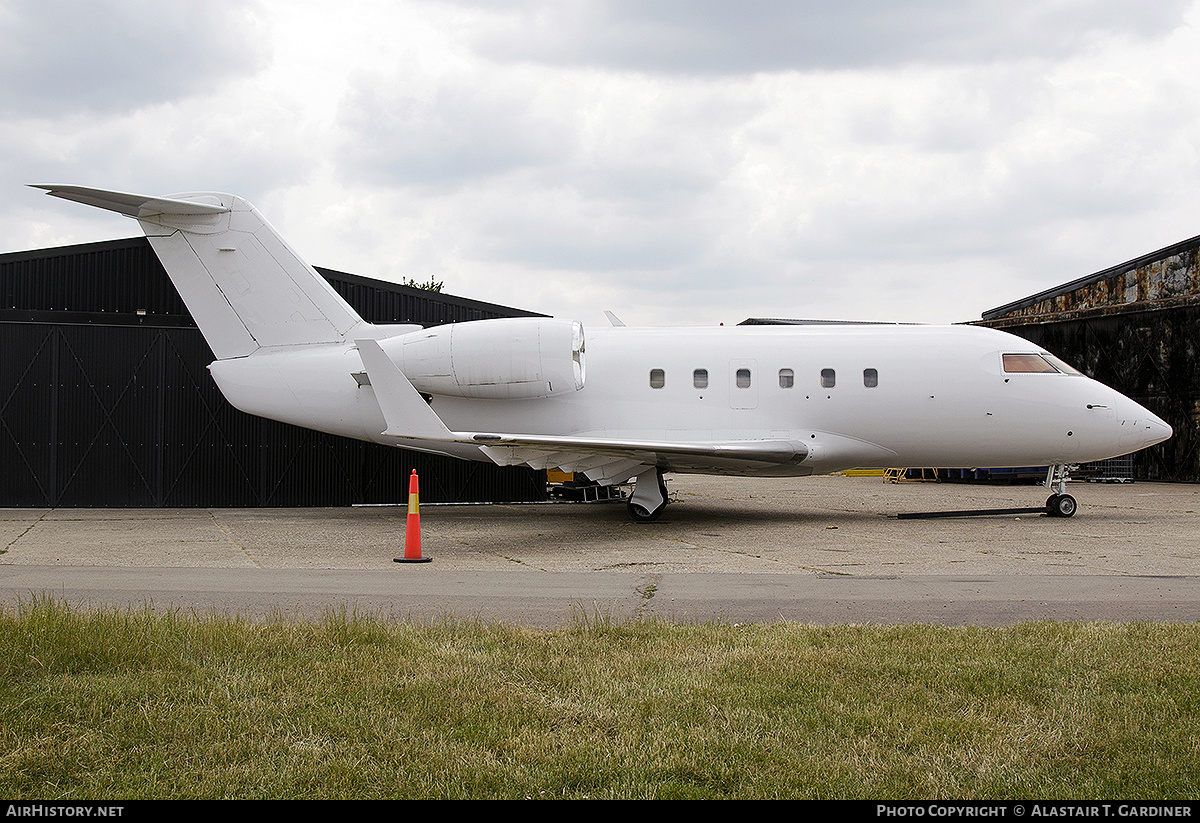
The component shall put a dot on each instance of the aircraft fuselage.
(849, 395)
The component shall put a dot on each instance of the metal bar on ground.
(968, 513)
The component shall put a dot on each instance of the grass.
(116, 704)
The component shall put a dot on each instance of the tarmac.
(814, 550)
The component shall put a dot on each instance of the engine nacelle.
(520, 357)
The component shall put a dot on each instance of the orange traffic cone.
(412, 530)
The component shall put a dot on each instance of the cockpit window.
(1035, 364)
(1014, 363)
(1063, 367)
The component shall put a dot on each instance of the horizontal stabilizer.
(134, 205)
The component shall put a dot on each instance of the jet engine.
(509, 358)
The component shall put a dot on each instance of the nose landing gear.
(1059, 504)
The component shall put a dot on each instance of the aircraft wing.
(615, 461)
(410, 418)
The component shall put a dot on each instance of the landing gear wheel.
(641, 514)
(1061, 505)
(649, 497)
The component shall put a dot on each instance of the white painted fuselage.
(845, 395)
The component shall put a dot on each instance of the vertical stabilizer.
(244, 286)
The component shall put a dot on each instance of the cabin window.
(787, 378)
(870, 378)
(743, 378)
(658, 378)
(1027, 363)
(700, 378)
(828, 378)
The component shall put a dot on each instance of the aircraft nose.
(1144, 428)
(1157, 429)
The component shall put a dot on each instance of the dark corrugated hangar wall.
(1150, 356)
(105, 399)
(1134, 326)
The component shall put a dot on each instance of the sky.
(676, 163)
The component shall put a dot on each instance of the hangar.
(1136, 327)
(105, 399)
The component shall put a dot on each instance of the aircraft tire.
(1061, 505)
(640, 514)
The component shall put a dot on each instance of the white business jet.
(779, 401)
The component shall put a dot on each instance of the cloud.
(400, 130)
(715, 37)
(675, 162)
(59, 57)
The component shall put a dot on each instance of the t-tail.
(243, 284)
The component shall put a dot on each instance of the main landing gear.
(1059, 504)
(649, 497)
